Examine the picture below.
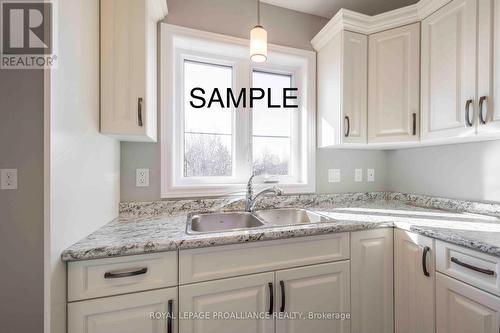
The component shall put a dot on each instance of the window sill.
(190, 191)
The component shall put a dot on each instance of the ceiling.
(328, 8)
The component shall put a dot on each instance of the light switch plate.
(334, 175)
(358, 175)
(8, 179)
(370, 175)
(142, 177)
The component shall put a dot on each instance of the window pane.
(271, 126)
(207, 131)
(207, 155)
(271, 156)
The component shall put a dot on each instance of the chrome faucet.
(251, 199)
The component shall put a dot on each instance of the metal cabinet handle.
(414, 128)
(283, 300)
(474, 268)
(467, 113)
(140, 101)
(170, 316)
(118, 275)
(346, 133)
(482, 120)
(271, 298)
(424, 260)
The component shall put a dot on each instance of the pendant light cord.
(258, 12)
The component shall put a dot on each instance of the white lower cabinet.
(144, 312)
(461, 308)
(246, 294)
(313, 291)
(414, 283)
(372, 281)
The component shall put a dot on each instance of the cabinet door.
(462, 308)
(246, 294)
(394, 85)
(414, 291)
(489, 67)
(128, 68)
(318, 289)
(449, 71)
(354, 87)
(372, 281)
(125, 314)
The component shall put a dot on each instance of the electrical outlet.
(334, 175)
(358, 175)
(142, 177)
(370, 175)
(8, 179)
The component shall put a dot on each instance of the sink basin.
(290, 216)
(213, 222)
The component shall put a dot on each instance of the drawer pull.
(474, 268)
(271, 298)
(283, 300)
(414, 127)
(118, 275)
(170, 316)
(424, 260)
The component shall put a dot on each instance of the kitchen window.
(212, 141)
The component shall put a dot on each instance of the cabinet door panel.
(372, 281)
(449, 70)
(246, 294)
(314, 289)
(355, 95)
(394, 85)
(489, 64)
(414, 292)
(123, 314)
(464, 309)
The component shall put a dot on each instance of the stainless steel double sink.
(233, 221)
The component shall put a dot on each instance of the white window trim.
(176, 41)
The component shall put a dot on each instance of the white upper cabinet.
(488, 68)
(394, 85)
(342, 89)
(129, 68)
(449, 57)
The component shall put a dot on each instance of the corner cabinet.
(414, 283)
(129, 68)
(342, 81)
(372, 281)
(394, 85)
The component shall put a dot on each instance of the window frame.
(179, 44)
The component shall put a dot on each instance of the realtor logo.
(27, 34)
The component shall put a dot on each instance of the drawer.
(113, 276)
(217, 262)
(478, 269)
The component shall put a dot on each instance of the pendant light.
(258, 40)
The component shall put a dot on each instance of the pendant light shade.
(258, 44)
(258, 40)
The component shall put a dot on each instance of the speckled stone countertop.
(161, 226)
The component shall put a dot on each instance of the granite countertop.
(161, 226)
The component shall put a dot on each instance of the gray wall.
(464, 171)
(22, 210)
(236, 18)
